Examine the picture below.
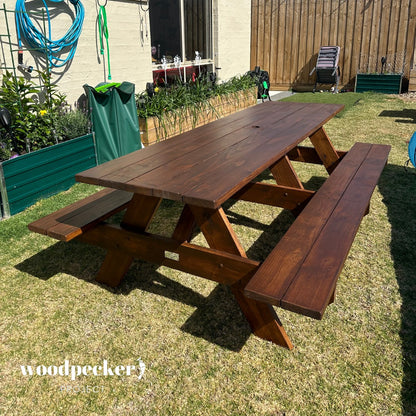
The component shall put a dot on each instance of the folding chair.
(327, 69)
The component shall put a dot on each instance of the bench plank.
(285, 260)
(73, 220)
(301, 272)
(314, 284)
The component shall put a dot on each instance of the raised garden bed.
(45, 172)
(157, 128)
(382, 83)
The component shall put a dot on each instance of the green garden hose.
(103, 29)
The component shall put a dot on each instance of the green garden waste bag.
(114, 119)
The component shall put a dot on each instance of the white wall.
(232, 30)
(130, 56)
(130, 45)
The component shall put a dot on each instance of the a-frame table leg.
(185, 226)
(284, 174)
(325, 149)
(262, 318)
(139, 213)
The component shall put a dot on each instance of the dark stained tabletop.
(207, 165)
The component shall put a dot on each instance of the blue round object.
(412, 149)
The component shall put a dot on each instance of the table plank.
(208, 165)
(174, 180)
(218, 182)
(75, 219)
(215, 177)
(129, 166)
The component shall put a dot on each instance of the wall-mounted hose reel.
(42, 41)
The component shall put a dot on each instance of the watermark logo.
(73, 371)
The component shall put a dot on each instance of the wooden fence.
(286, 36)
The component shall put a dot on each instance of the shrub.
(40, 115)
(180, 96)
(73, 124)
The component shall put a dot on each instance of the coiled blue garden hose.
(42, 43)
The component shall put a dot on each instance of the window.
(180, 27)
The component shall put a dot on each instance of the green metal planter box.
(383, 83)
(45, 172)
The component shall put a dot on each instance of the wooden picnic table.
(206, 167)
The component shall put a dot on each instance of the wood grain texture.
(274, 195)
(301, 272)
(217, 230)
(220, 236)
(140, 212)
(219, 266)
(325, 149)
(309, 155)
(185, 227)
(208, 165)
(77, 218)
(114, 267)
(284, 173)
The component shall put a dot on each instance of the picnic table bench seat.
(77, 218)
(301, 272)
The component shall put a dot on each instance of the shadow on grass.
(407, 115)
(217, 318)
(398, 187)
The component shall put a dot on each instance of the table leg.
(262, 318)
(114, 267)
(325, 149)
(332, 300)
(139, 213)
(284, 173)
(185, 226)
(217, 230)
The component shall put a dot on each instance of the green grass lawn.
(200, 356)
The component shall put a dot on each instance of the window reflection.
(167, 29)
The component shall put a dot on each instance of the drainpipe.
(215, 36)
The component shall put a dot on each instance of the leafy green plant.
(40, 116)
(181, 105)
(5, 151)
(73, 124)
(194, 94)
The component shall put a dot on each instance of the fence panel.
(287, 35)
